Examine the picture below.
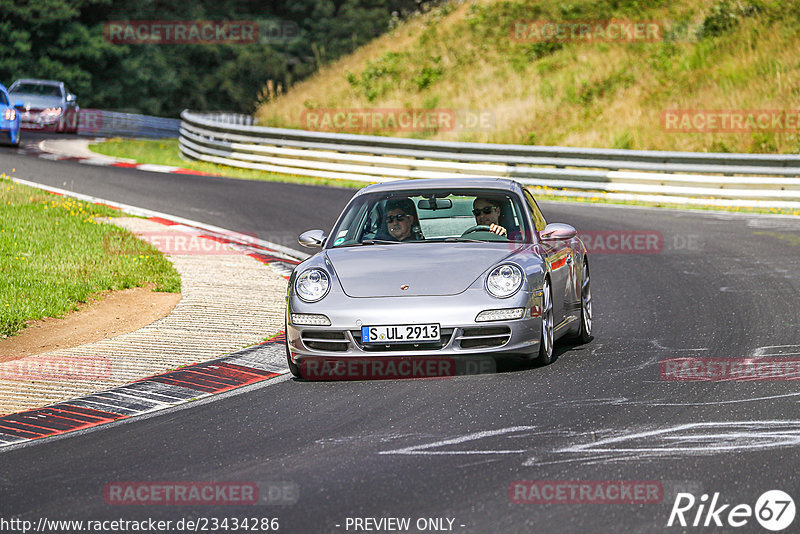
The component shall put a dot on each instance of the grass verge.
(470, 57)
(54, 254)
(165, 152)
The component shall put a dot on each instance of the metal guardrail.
(99, 122)
(231, 118)
(683, 177)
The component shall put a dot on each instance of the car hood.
(37, 102)
(426, 268)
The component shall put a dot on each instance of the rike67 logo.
(774, 510)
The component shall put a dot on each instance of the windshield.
(37, 89)
(3, 99)
(414, 216)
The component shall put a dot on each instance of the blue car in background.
(9, 118)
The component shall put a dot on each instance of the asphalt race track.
(719, 286)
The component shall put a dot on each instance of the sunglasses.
(485, 210)
(400, 218)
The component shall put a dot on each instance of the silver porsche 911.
(438, 268)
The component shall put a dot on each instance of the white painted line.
(421, 449)
(150, 167)
(764, 351)
(760, 437)
(98, 162)
(717, 403)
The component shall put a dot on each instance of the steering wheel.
(477, 228)
(489, 235)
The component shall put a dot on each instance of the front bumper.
(36, 121)
(9, 132)
(461, 335)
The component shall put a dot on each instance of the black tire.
(293, 367)
(546, 341)
(584, 335)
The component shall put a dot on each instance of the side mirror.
(19, 104)
(312, 239)
(558, 231)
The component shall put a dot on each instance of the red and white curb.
(242, 368)
(36, 150)
(249, 366)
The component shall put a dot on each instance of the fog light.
(310, 319)
(500, 315)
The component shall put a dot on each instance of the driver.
(487, 212)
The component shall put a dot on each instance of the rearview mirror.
(435, 204)
(312, 238)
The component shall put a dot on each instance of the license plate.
(404, 333)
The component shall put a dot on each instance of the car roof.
(39, 82)
(472, 182)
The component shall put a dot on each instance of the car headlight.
(504, 280)
(312, 285)
(10, 114)
(51, 112)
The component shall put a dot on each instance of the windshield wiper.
(462, 240)
(378, 242)
(368, 242)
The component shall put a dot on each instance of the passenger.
(487, 213)
(402, 222)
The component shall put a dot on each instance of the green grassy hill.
(713, 55)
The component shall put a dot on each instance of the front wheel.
(546, 342)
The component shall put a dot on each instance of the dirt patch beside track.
(111, 314)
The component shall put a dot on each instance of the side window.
(348, 229)
(536, 214)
